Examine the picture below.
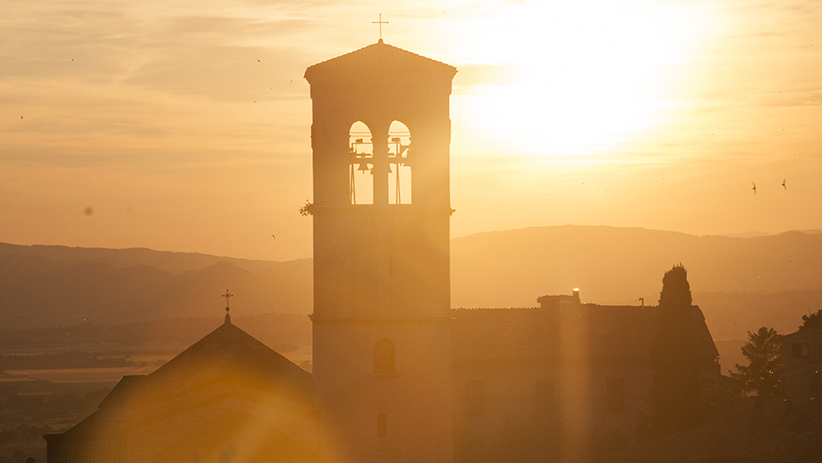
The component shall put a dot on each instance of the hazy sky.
(153, 123)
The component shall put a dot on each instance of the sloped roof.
(230, 351)
(226, 354)
(379, 58)
(599, 333)
(122, 389)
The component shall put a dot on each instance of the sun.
(584, 77)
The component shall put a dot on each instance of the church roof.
(227, 354)
(598, 333)
(230, 352)
(379, 58)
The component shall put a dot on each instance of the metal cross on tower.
(380, 22)
(226, 296)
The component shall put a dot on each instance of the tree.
(763, 353)
(676, 401)
(811, 320)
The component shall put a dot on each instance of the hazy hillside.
(741, 283)
(620, 265)
(106, 286)
(172, 262)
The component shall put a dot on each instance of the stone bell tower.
(382, 333)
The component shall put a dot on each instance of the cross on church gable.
(380, 22)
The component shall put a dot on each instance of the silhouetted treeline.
(812, 320)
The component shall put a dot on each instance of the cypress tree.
(676, 402)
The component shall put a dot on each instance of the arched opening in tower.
(361, 154)
(399, 164)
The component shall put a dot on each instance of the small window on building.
(545, 395)
(474, 397)
(383, 356)
(800, 350)
(615, 395)
(382, 425)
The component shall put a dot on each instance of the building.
(781, 429)
(395, 369)
(228, 397)
(381, 321)
(801, 363)
(576, 370)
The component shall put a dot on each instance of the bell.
(363, 167)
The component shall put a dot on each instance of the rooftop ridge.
(381, 55)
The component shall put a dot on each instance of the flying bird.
(754, 187)
(258, 60)
(274, 237)
(783, 184)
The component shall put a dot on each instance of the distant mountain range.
(59, 285)
(741, 283)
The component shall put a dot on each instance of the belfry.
(382, 324)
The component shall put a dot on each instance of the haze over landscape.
(185, 126)
(740, 283)
(613, 239)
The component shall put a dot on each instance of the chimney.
(576, 294)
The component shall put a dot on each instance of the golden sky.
(184, 126)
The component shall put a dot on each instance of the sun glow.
(582, 78)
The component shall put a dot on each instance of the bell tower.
(382, 334)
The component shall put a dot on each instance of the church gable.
(226, 373)
(378, 58)
(229, 353)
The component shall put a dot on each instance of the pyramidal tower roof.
(379, 58)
